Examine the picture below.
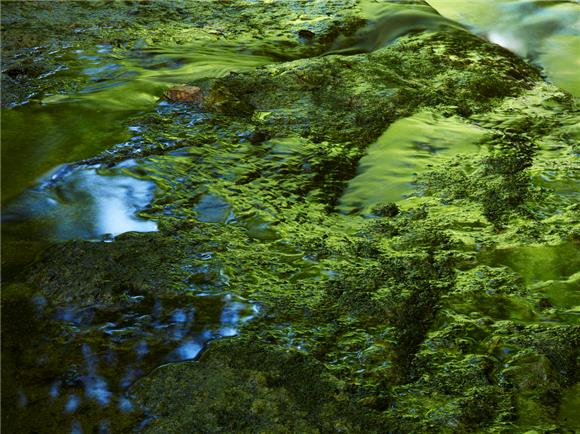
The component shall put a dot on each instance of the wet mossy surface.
(423, 316)
(250, 387)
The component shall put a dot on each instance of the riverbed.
(380, 196)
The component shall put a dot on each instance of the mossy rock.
(244, 386)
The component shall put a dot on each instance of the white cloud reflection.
(84, 204)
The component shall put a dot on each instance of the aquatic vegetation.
(340, 307)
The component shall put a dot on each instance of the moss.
(85, 273)
(500, 179)
(359, 95)
(410, 320)
(43, 35)
(244, 386)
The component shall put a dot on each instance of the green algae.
(112, 59)
(59, 134)
(532, 29)
(426, 317)
(38, 30)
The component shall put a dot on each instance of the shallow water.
(388, 21)
(42, 135)
(385, 174)
(113, 87)
(84, 203)
(45, 136)
(80, 367)
(85, 358)
(552, 271)
(81, 360)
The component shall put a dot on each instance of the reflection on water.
(73, 203)
(78, 370)
(76, 362)
(35, 139)
(85, 203)
(553, 271)
(538, 264)
(109, 87)
(545, 31)
(214, 209)
(385, 174)
(136, 79)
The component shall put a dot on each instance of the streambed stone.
(243, 386)
(394, 321)
(184, 93)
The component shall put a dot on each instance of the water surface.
(386, 173)
(74, 363)
(544, 31)
(76, 366)
(112, 87)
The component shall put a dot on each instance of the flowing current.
(48, 197)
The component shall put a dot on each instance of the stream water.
(87, 357)
(546, 32)
(104, 350)
(403, 150)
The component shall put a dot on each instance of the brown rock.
(184, 93)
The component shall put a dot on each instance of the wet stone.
(184, 93)
(242, 386)
(444, 301)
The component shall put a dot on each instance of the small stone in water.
(184, 93)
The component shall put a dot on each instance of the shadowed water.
(388, 21)
(75, 363)
(111, 87)
(77, 370)
(553, 271)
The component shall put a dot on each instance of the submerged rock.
(245, 386)
(410, 319)
(43, 38)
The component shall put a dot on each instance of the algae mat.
(367, 223)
